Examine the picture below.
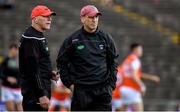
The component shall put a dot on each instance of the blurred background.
(153, 23)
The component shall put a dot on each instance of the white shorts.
(11, 94)
(116, 103)
(130, 95)
(63, 103)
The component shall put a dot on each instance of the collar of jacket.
(31, 31)
(87, 33)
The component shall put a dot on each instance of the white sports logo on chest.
(101, 46)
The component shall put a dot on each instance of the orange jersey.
(59, 92)
(130, 64)
(116, 94)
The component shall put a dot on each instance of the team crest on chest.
(101, 46)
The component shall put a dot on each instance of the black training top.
(10, 68)
(87, 59)
(34, 62)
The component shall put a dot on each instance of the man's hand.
(55, 75)
(155, 78)
(143, 89)
(72, 88)
(12, 80)
(44, 102)
(151, 77)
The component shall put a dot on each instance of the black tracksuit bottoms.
(92, 99)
